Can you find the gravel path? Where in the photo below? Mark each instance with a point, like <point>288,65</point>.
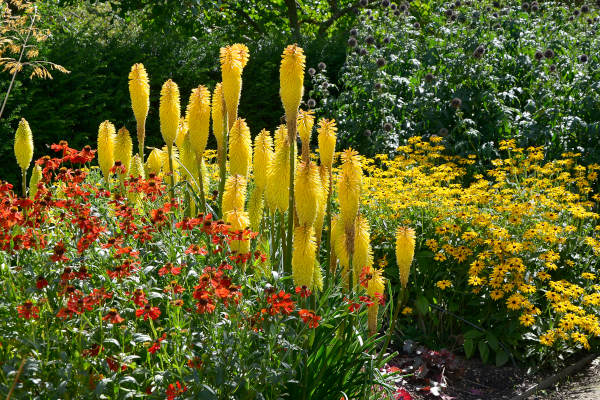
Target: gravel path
<point>584,385</point>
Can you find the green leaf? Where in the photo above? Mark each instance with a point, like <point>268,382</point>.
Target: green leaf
<point>492,341</point>
<point>484,351</point>
<point>469,346</point>
<point>473,334</point>
<point>501,358</point>
<point>422,305</point>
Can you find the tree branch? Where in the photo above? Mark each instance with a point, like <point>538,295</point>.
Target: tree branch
<point>293,17</point>
<point>325,25</point>
<point>246,17</point>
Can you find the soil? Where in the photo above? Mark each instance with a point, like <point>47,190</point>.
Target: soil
<point>474,380</point>
<point>584,385</point>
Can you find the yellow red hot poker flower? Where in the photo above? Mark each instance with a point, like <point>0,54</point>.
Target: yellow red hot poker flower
<point>405,251</point>
<point>240,148</point>
<point>139,91</point>
<point>106,147</point>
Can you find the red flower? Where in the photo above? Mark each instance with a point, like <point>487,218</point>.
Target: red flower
<point>156,345</point>
<point>41,282</point>
<point>205,303</point>
<point>169,268</point>
<point>113,317</point>
<point>148,311</point>
<point>280,303</point>
<point>92,351</point>
<point>365,276</point>
<point>402,394</point>
<point>195,249</point>
<point>303,291</point>
<point>175,390</point>
<point>195,363</point>
<point>114,366</point>
<point>28,311</point>
<point>139,298</point>
<point>366,300</point>
<point>352,305</point>
<point>59,252</point>
<point>309,318</point>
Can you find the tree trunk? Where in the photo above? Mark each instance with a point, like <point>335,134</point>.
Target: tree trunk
<point>293,17</point>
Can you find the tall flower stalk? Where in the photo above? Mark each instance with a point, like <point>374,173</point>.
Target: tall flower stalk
<point>23,147</point>
<point>291,90</point>
<point>198,120</point>
<point>139,91</point>
<point>169,113</point>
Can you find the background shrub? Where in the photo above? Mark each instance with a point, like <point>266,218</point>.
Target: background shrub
<point>472,73</point>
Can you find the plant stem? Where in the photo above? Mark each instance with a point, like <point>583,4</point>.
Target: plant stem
<point>223,157</point>
<point>201,185</point>
<point>172,191</point>
<point>392,327</point>
<point>291,126</point>
<point>24,182</point>
<point>283,238</point>
<point>16,69</point>
<point>12,388</point>
<point>141,134</point>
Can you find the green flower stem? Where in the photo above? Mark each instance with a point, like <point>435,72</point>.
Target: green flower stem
<point>392,327</point>
<point>172,191</point>
<point>201,186</point>
<point>223,158</point>
<point>141,135</point>
<point>291,126</point>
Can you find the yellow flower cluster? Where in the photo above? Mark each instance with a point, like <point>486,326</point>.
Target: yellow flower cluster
<point>524,233</point>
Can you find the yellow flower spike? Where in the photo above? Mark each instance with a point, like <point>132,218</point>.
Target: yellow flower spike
<point>338,241</point>
<point>106,147</point>
<point>242,52</point>
<point>263,156</point>
<point>322,209</point>
<point>303,256</point>
<point>363,254</point>
<point>281,136</point>
<point>291,79</point>
<point>317,277</point>
<point>187,156</point>
<point>123,149</point>
<point>169,112</point>
<point>375,289</point>
<point>139,92</point>
<point>166,169</point>
<point>239,221</point>
<point>36,177</point>
<point>278,180</point>
<point>217,115</point>
<point>137,168</point>
<point>182,132</point>
<point>137,171</point>
<point>349,187</point>
<point>198,118</point>
<point>307,192</point>
<point>305,122</point>
<point>234,196</point>
<point>154,162</point>
<point>240,148</point>
<point>327,132</point>
<point>23,145</point>
<point>255,209</point>
<point>233,60</point>
<point>405,251</point>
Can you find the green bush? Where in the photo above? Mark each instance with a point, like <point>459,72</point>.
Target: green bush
<point>432,52</point>
<point>99,46</point>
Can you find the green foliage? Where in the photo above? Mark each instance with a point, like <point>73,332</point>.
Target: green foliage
<point>99,46</point>
<point>435,52</point>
